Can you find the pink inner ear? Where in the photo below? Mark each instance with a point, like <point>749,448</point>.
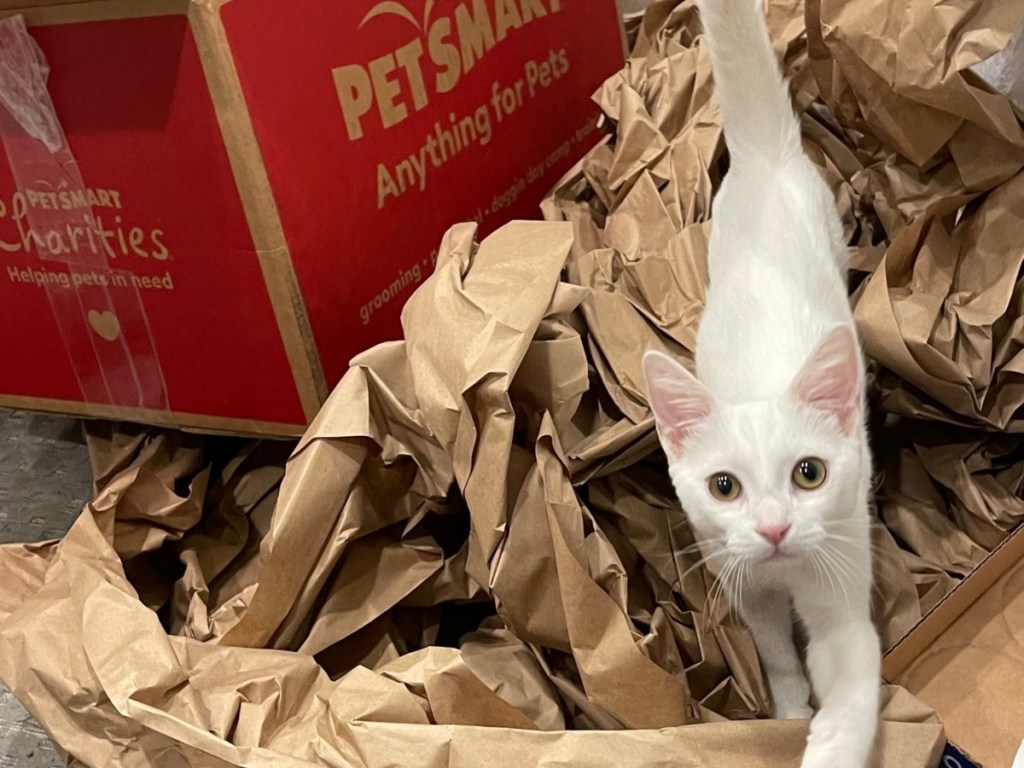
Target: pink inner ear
<point>830,378</point>
<point>678,400</point>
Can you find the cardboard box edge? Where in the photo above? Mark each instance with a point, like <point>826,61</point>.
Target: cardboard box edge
<point>258,201</point>
<point>190,422</point>
<point>623,37</point>
<point>949,608</point>
<point>75,11</point>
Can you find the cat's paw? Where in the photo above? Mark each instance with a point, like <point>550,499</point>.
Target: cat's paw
<point>830,745</point>
<point>791,694</point>
<point>792,711</point>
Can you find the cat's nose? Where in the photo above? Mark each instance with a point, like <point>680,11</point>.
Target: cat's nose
<point>774,532</point>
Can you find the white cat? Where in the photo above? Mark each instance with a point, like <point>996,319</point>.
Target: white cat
<point>767,446</point>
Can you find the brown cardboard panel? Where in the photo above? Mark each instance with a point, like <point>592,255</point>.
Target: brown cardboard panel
<point>197,422</point>
<point>947,610</point>
<point>14,5</point>
<point>43,12</point>
<point>973,673</point>
<point>260,208</point>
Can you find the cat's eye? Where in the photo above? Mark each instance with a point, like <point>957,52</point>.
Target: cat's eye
<point>723,486</point>
<point>809,473</point>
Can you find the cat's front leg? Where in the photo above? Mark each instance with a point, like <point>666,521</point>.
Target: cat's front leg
<point>844,662</point>
<point>768,614</point>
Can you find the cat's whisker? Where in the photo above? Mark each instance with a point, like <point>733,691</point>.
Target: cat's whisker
<point>698,547</point>
<point>844,575</point>
<point>688,550</point>
<point>721,582</point>
<point>737,578</point>
<point>847,545</point>
<point>839,522</point>
<point>716,590</point>
<point>857,542</point>
<point>709,603</point>
<point>850,541</point>
<point>692,568</point>
<point>708,542</point>
<point>825,575</point>
<point>817,573</point>
<point>748,572</point>
<point>733,596</point>
<point>709,599</point>
<point>703,561</point>
<point>888,561</point>
<point>879,554</point>
<point>846,531</point>
<point>828,573</point>
<point>730,597</point>
<point>828,554</point>
<point>842,557</point>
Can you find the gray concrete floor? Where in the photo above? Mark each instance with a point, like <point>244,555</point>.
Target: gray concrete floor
<point>44,483</point>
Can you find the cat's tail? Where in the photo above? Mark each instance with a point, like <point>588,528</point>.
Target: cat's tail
<point>754,98</point>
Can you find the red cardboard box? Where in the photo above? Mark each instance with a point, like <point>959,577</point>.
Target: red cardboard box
<point>250,189</point>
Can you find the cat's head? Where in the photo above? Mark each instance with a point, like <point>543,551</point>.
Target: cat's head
<point>765,481</point>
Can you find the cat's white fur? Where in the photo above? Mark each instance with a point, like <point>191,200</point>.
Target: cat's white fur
<point>779,378</point>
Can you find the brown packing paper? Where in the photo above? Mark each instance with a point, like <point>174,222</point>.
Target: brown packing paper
<point>940,310</point>
<point>1002,71</point>
<point>880,193</point>
<point>883,193</point>
<point>365,719</point>
<point>478,530</point>
<point>174,699</point>
<point>903,70</point>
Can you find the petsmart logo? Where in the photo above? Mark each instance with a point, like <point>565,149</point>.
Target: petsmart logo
<point>444,50</point>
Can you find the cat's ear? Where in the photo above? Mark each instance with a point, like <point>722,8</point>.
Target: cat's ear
<point>678,400</point>
<point>830,378</point>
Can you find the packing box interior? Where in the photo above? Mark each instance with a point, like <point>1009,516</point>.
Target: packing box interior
<point>966,660</point>
<point>474,555</point>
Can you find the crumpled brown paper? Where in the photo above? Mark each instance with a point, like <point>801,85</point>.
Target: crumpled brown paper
<point>925,161</point>
<point>474,555</point>
<point>315,634</point>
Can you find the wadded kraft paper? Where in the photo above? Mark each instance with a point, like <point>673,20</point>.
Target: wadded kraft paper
<point>310,614</point>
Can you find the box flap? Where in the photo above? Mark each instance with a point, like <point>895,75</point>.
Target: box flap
<point>973,673</point>
<point>945,612</point>
<point>8,6</point>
